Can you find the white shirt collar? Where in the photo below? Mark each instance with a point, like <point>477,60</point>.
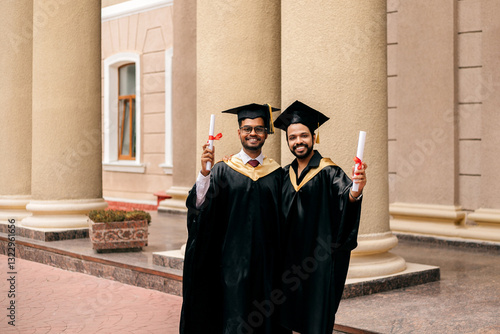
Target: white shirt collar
<point>245,158</point>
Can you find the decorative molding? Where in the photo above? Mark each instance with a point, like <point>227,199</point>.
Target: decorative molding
<point>445,221</point>
<point>131,8</point>
<point>14,207</point>
<point>167,169</point>
<point>62,214</point>
<point>488,225</point>
<point>66,206</point>
<point>15,202</point>
<point>176,204</point>
<point>372,257</point>
<point>428,212</point>
<point>375,243</point>
<point>375,265</point>
<point>485,216</point>
<point>120,166</point>
<point>168,112</point>
<point>426,219</point>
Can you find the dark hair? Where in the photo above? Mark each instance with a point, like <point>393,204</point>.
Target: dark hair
<point>241,120</point>
<point>286,131</point>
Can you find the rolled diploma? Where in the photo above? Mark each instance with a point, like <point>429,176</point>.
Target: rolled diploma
<point>359,154</point>
<point>211,135</point>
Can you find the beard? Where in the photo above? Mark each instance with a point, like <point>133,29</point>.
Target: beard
<point>303,154</point>
<point>254,146</point>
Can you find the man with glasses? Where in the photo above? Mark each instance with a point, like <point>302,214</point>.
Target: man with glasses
<point>232,252</point>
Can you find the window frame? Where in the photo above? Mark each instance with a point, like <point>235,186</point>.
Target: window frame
<point>167,166</point>
<point>111,161</point>
<point>131,101</point>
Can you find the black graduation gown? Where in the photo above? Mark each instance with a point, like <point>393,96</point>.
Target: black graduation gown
<point>321,227</point>
<point>230,265</point>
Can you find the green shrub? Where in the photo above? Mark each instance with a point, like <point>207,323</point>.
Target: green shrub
<point>138,215</point>
<point>106,216</point>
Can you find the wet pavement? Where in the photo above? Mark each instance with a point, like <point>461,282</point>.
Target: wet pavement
<point>465,300</point>
<point>52,300</point>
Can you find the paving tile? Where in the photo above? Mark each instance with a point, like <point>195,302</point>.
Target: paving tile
<point>465,300</point>
<point>67,302</point>
<point>50,300</point>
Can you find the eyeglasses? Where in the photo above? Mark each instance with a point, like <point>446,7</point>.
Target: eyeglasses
<point>260,130</point>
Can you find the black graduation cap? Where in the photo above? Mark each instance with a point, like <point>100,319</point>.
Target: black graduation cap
<point>255,110</point>
<point>299,112</point>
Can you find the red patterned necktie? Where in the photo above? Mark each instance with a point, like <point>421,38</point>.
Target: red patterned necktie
<point>253,163</point>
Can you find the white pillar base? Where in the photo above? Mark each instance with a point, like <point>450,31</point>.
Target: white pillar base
<point>371,258</point>
<point>178,201</point>
<point>13,207</point>
<point>62,214</point>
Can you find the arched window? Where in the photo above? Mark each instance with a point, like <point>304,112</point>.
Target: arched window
<point>122,113</point>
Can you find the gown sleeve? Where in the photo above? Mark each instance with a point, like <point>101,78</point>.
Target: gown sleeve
<point>202,302</point>
<point>349,213</point>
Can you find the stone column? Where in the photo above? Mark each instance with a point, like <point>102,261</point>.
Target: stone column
<point>488,215</point>
<point>66,170</point>
<point>238,62</point>
<point>185,161</point>
<point>16,19</point>
<point>334,59</point>
<point>426,132</point>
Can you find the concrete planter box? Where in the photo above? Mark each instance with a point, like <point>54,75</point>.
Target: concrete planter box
<point>119,235</point>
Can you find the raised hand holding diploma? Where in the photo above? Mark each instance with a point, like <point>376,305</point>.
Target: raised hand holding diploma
<point>207,156</point>
<point>358,172</point>
<point>211,138</point>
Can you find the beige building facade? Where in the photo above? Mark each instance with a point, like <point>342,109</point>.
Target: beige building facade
<point>138,35</point>
<point>441,95</point>
<point>444,84</point>
<point>422,78</point>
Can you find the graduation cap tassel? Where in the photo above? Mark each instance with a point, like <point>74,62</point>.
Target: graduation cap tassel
<point>271,125</point>
<point>317,136</point>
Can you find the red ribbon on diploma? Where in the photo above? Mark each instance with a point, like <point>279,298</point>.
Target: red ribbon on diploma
<point>358,162</point>
<point>217,137</point>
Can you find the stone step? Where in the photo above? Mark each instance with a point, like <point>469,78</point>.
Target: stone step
<point>170,259</point>
<point>165,272</point>
<point>150,277</point>
<point>414,274</point>
<point>47,234</point>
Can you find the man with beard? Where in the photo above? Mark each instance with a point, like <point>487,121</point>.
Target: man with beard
<point>234,236</point>
<point>321,225</point>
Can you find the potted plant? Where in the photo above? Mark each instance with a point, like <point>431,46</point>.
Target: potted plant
<point>117,229</point>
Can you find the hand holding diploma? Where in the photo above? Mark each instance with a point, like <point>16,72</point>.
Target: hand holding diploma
<point>207,157</point>
<point>358,171</point>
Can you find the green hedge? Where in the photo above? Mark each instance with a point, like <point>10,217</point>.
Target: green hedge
<point>106,216</point>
